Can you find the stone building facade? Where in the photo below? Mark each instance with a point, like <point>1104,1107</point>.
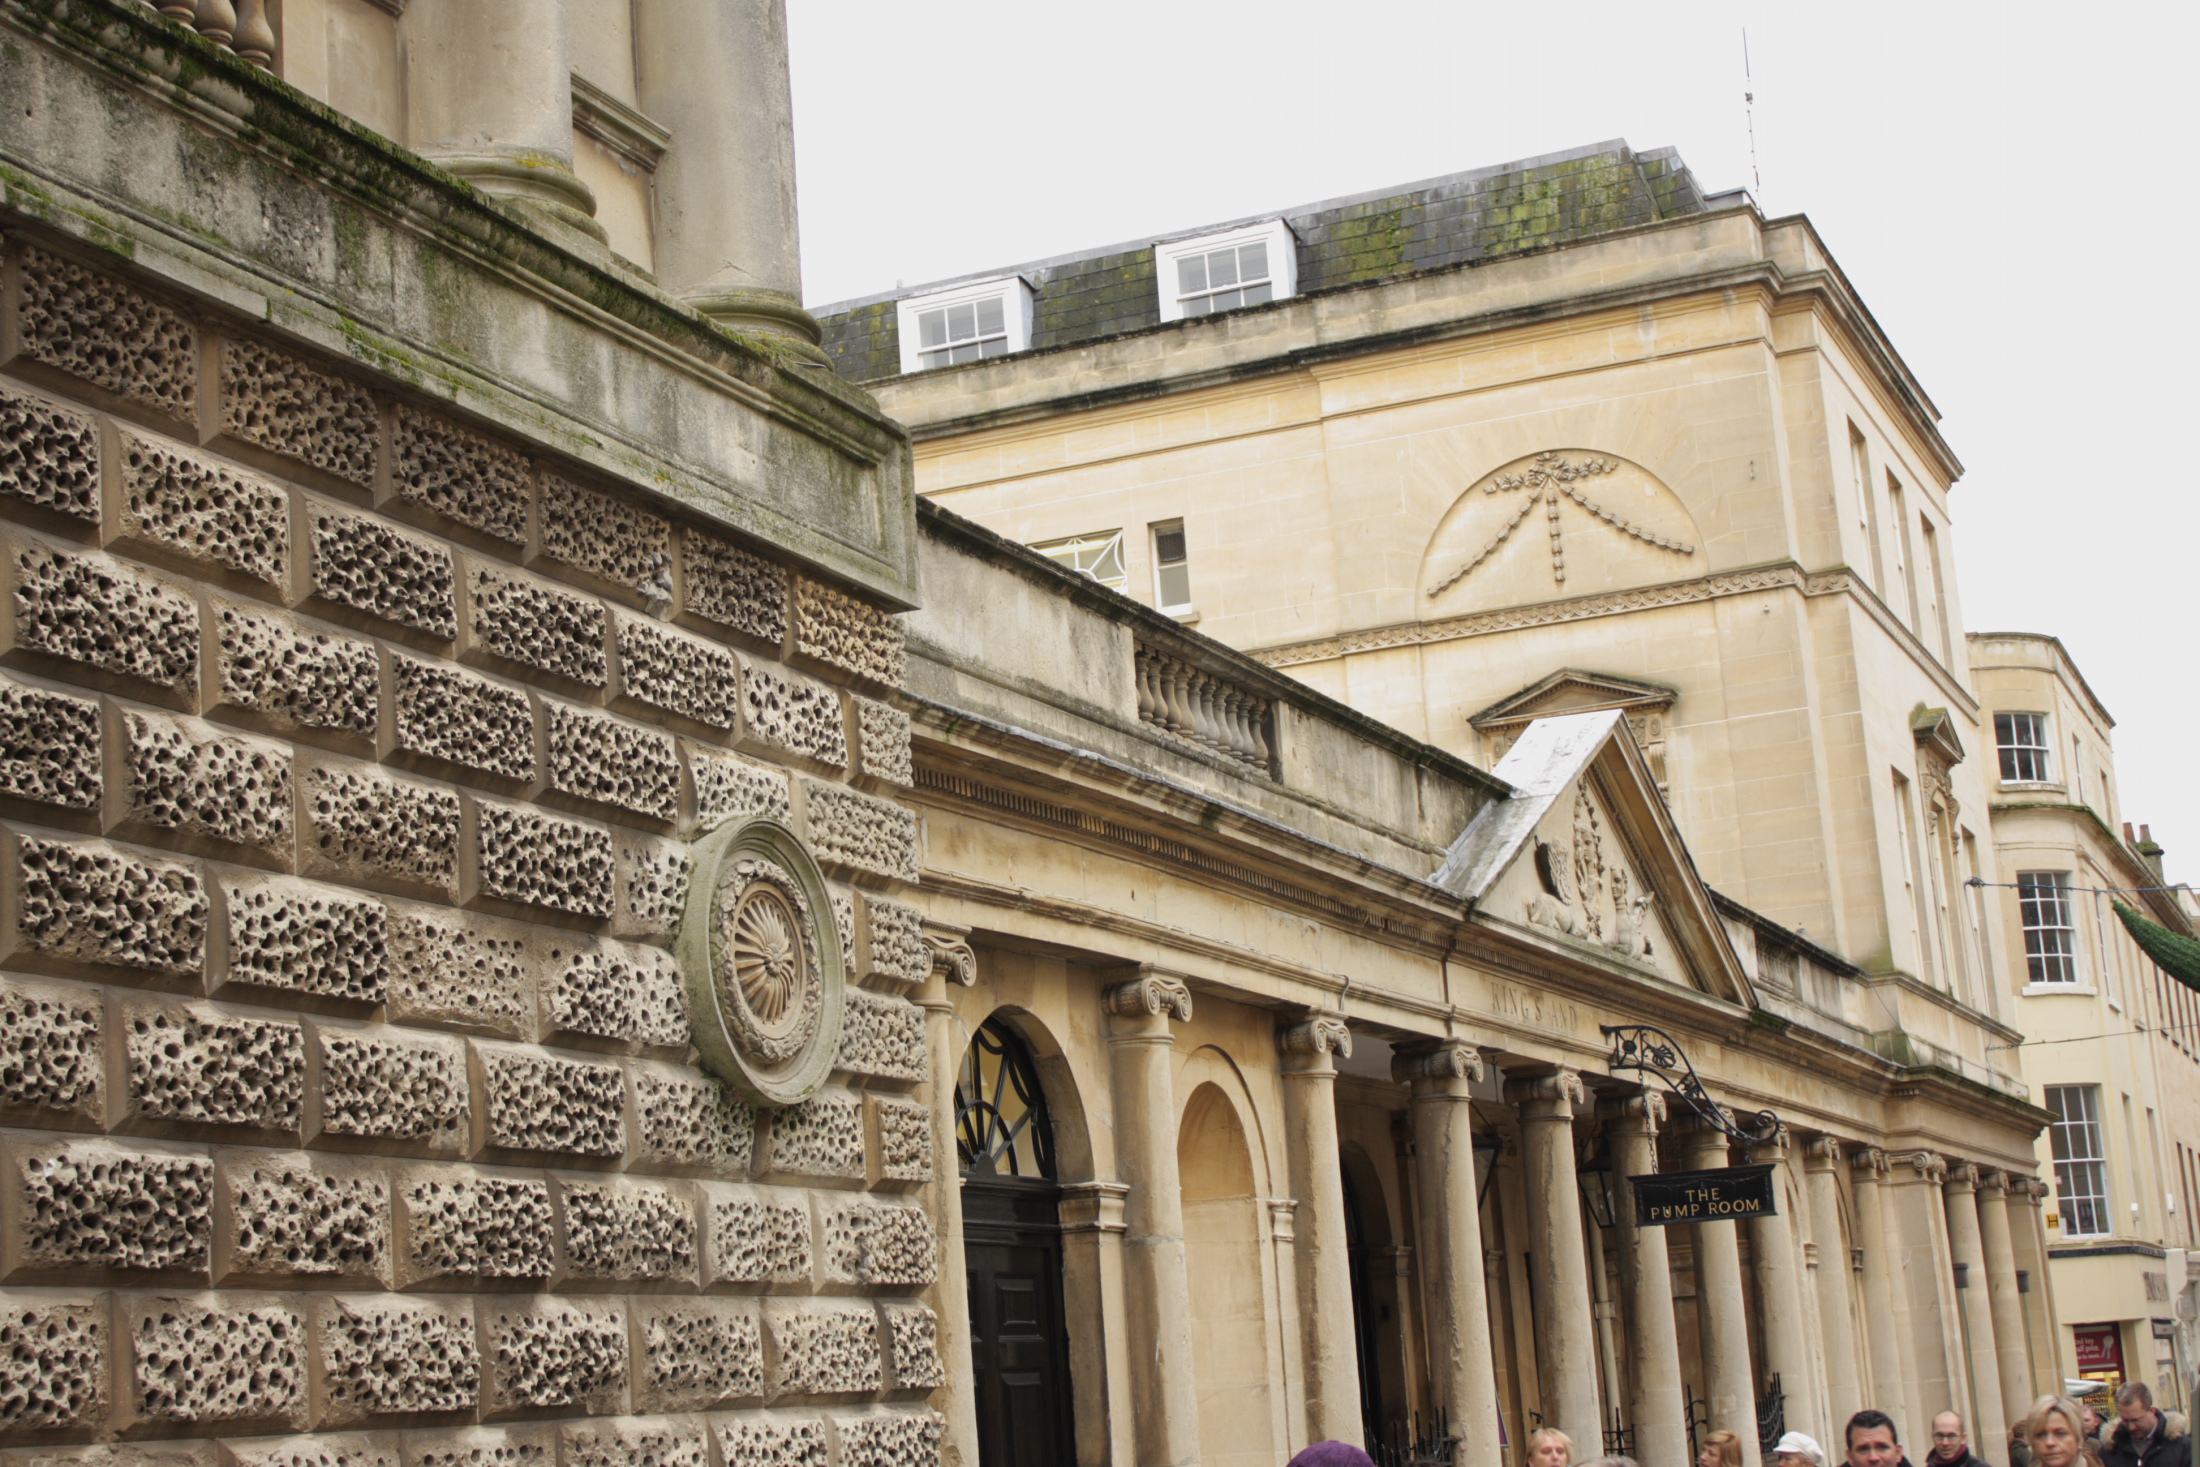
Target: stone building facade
<point>551,915</point>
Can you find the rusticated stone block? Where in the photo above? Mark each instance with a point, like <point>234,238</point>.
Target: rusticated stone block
<point>49,748</point>
<point>823,1348</point>
<point>88,903</point>
<point>518,620</point>
<point>835,628</point>
<point>164,1454</point>
<point>770,1441</point>
<point>617,543</point>
<point>49,457</point>
<point>181,503</point>
<point>890,1439</point>
<point>538,1103</point>
<point>93,1205</point>
<point>600,760</point>
<point>631,1442</point>
<point>628,1232</point>
<point>51,1060</point>
<point>913,1335</point>
<point>278,402</point>
<point>382,1356</point>
<point>696,1356</point>
<point>898,953</point>
<point>533,859</point>
<point>738,590</point>
<point>363,565</point>
<point>884,731</point>
<point>459,971</point>
<point>796,715</point>
<point>194,1065</point>
<point>876,1245</point>
<point>652,885</point>
<point>296,937</point>
<point>610,991</point>
<point>458,1226</point>
<point>127,628</point>
<point>821,1137</point>
<point>901,1131</point>
<point>755,1235</point>
<point>684,1120</point>
<point>323,1449</point>
<point>860,832</point>
<point>191,1364</point>
<point>482,1447</point>
<point>362,825</point>
<point>545,1353</point>
<point>289,679</point>
<point>844,927</point>
<point>440,714</point>
<point>883,1037</point>
<point>729,787</point>
<point>299,1217</point>
<point>183,779</point>
<point>387,1086</point>
<point>98,329</point>
<point>460,474</point>
<point>54,1356</point>
<point>673,672</point>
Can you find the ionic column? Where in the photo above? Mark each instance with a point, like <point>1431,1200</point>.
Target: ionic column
<point>1918,1224</point>
<point>1722,1320</point>
<point>953,963</point>
<point>1324,1265</point>
<point>1159,1316</point>
<point>1100,1366</point>
<point>1462,1371</point>
<point>1655,1405</point>
<point>715,73</point>
<point>1884,1331</point>
<point>1967,1255</point>
<point>490,94</point>
<point>2002,1297</point>
<point>1836,1316</point>
<point>2028,1234</point>
<point>1779,1267</point>
<point>1566,1338</point>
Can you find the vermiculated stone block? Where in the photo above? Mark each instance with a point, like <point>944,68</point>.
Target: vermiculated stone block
<point>913,1335</point>
<point>179,777</point>
<point>844,925</point>
<point>516,619</point>
<point>740,591</point>
<point>278,402</point>
<point>835,628</point>
<point>457,1225</point>
<point>698,1356</point>
<point>890,1439</point>
<point>902,1130</point>
<point>100,330</point>
<point>447,715</point>
<point>460,474</point>
<point>898,952</point>
<point>876,1245</point>
<point>884,731</point>
<point>546,1353</point>
<point>293,679</point>
<point>299,1217</point>
<point>612,991</point>
<point>53,1363</point>
<point>460,971</point>
<point>49,457</point>
<point>770,1441</point>
<point>628,1232</point>
<point>685,1120</point>
<point>883,1037</point>
<point>755,1235</point>
<point>192,1365</point>
<point>49,747</point>
<point>607,761</point>
<point>679,674</point>
<point>51,1062</point>
<point>525,856</point>
<point>729,787</point>
<point>297,937</point>
<point>104,615</point>
<point>384,1356</point>
<point>652,885</point>
<point>618,543</point>
<point>824,1349</point>
<point>378,570</point>
<point>634,1442</point>
<point>194,1065</point>
<point>186,504</point>
<point>538,1103</point>
<point>390,1086</point>
<point>92,1205</point>
<point>821,1137</point>
<point>793,714</point>
<point>362,825</point>
<point>861,832</point>
<point>86,902</point>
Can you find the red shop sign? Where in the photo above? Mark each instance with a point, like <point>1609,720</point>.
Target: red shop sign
<point>2100,1347</point>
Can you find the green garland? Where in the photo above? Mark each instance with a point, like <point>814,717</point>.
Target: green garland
<point>2177,956</point>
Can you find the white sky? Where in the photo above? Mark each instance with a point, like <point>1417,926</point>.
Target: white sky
<point>2010,189</point>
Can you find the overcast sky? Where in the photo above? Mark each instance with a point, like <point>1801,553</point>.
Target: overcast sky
<point>2010,189</point>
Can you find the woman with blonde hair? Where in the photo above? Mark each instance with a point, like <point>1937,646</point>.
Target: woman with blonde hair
<point>1550,1447</point>
<point>2055,1431</point>
<point>1720,1449</point>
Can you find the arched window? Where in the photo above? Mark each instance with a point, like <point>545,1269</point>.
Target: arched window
<point>1001,1127</point>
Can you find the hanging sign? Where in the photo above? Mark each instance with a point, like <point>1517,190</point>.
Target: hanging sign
<point>1665,1199</point>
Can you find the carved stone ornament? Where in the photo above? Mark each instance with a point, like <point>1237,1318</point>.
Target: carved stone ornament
<point>1322,1034</point>
<point>1452,1060</point>
<point>952,958</point>
<point>1150,994</point>
<point>767,994</point>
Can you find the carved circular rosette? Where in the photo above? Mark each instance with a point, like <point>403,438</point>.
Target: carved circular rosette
<point>768,994</point>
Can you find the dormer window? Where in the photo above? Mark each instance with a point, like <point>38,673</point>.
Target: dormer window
<point>968,323</point>
<point>1222,272</point>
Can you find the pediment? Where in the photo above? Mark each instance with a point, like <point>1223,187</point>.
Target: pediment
<point>1648,707</point>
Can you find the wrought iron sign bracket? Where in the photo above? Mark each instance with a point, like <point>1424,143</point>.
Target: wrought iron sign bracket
<point>1653,1052</point>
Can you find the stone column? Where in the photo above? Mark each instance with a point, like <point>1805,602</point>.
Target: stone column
<point>2002,1298</point>
<point>1721,1318</point>
<point>490,93</point>
<point>2028,1234</point>
<point>1655,1405</point>
<point>714,72</point>
<point>1836,1300</point>
<point>1918,1222</point>
<point>1462,1371</point>
<point>1883,1324</point>
<point>1159,1313</point>
<point>1100,1367</point>
<point>1323,1263</point>
<point>953,963</point>
<point>1778,1264</point>
<point>1566,1339</point>
<point>1967,1254</point>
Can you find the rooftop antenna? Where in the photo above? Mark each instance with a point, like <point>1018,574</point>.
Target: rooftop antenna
<point>1749,118</point>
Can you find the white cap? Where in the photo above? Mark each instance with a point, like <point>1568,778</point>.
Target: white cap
<point>1802,1446</point>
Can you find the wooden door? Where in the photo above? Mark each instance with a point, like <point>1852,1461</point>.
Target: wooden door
<point>1019,1344</point>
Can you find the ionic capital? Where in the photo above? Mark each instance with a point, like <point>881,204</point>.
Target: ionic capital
<point>1548,1097</point>
<point>1962,1176</point>
<point>1453,1059</point>
<point>1993,1182</point>
<point>1322,1035</point>
<point>1773,1148</point>
<point>952,960</point>
<point>1150,995</point>
<point>1643,1113</point>
<point>1917,1166</point>
<point>1823,1154</point>
<point>1868,1164</point>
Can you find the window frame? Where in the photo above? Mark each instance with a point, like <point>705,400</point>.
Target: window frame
<point>2045,731</point>
<point>1283,264</point>
<point>1102,538</point>
<point>2069,1200</point>
<point>1154,532</point>
<point>1015,311</point>
<point>2038,959</point>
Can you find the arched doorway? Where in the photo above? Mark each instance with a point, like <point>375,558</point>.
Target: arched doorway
<point>1222,1247</point>
<point>1012,1249</point>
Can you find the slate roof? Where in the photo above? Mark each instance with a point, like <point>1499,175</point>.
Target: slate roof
<point>1435,224</point>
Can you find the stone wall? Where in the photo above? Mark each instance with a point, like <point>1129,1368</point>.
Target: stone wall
<point>348,755</point>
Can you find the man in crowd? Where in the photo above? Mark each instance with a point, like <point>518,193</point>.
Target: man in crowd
<point>2143,1438</point>
<point>1873,1441</point>
<point>1952,1443</point>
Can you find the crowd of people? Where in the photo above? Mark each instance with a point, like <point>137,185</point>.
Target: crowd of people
<point>2059,1432</point>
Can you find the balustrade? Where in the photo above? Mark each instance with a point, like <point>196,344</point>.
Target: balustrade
<point>241,26</point>
<point>1178,698</point>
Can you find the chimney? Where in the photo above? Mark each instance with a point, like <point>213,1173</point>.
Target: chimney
<point>2148,851</point>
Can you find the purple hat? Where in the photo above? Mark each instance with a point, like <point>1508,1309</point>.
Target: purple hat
<point>1332,1454</point>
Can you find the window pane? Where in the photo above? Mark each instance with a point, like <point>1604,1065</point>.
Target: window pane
<point>995,347</point>
<point>932,328</point>
<point>966,353</point>
<point>1253,261</point>
<point>1199,305</point>
<point>1222,268</point>
<point>1168,545</point>
<point>1176,584</point>
<point>1191,274</point>
<point>1228,300</point>
<point>935,359</point>
<point>1259,294</point>
<point>989,317</point>
<point>1107,567</point>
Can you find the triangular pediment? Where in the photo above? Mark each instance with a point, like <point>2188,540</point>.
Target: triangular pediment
<point>1570,690</point>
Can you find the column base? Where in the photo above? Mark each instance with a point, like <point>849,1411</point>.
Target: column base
<point>773,312</point>
<point>535,180</point>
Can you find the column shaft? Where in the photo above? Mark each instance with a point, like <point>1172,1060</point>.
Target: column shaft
<point>2026,1237</point>
<point>1323,1261</point>
<point>1655,1408</point>
<point>1779,1267</point>
<point>952,962</point>
<point>1967,1252</point>
<point>1918,1221</point>
<point>490,94</point>
<point>1721,1316</point>
<point>2002,1298</point>
<point>1885,1331</point>
<point>1836,1300</point>
<point>1565,1323</point>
